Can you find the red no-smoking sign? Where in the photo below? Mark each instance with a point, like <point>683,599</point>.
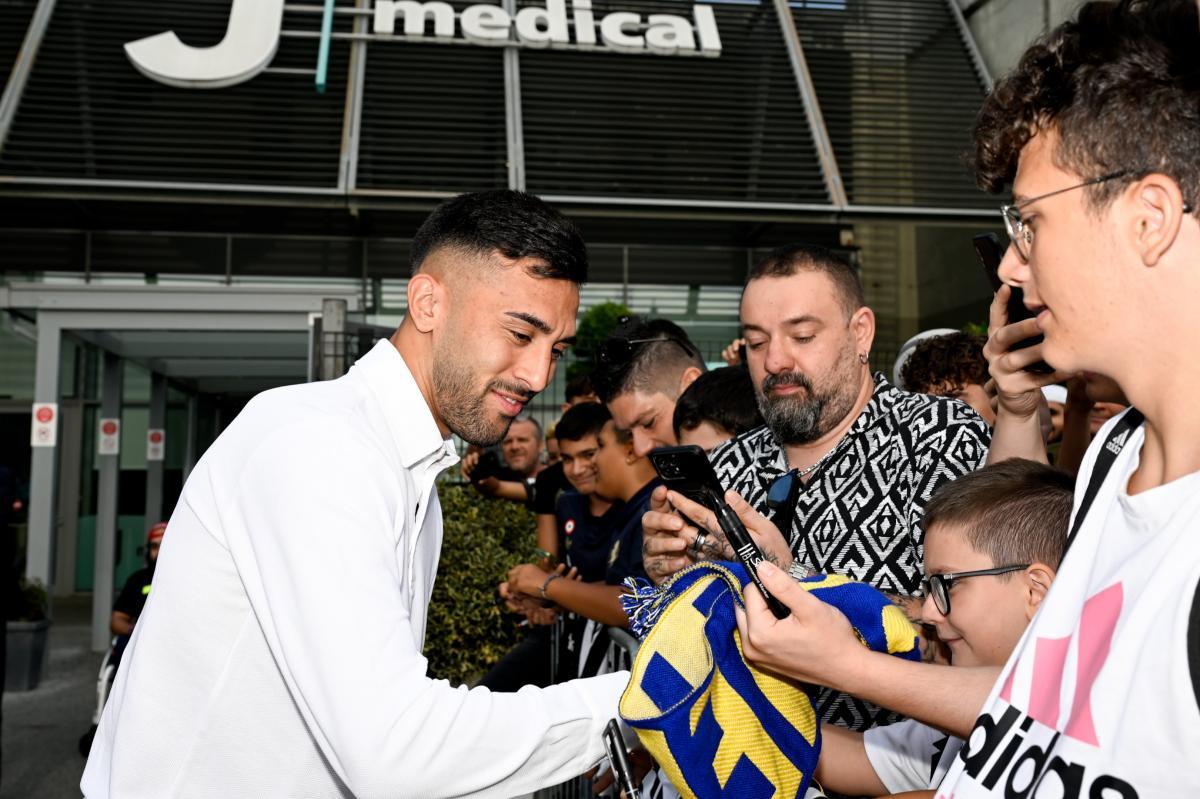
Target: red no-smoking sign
<point>156,439</point>
<point>110,437</point>
<point>44,432</point>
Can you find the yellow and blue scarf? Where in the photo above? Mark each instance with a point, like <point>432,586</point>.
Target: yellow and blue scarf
<point>718,726</point>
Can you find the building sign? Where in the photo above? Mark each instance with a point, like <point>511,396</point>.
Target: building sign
<point>109,442</point>
<point>156,444</point>
<point>45,425</point>
<point>252,36</point>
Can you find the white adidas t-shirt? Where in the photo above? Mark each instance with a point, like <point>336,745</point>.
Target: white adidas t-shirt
<point>910,756</point>
<point>1098,699</point>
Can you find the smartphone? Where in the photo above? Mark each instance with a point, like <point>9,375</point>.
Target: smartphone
<point>619,759</point>
<point>991,252</point>
<point>687,471</point>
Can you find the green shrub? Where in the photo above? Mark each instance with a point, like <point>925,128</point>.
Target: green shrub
<point>467,631</point>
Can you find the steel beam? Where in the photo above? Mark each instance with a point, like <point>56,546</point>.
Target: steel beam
<point>514,127</point>
<point>812,106</point>
<point>968,40</point>
<point>106,511</point>
<point>23,67</point>
<point>352,115</point>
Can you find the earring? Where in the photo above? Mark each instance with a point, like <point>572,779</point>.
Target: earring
<point>862,357</point>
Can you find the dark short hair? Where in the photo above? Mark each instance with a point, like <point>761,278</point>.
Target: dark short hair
<point>579,386</point>
<point>654,365</point>
<point>724,397</point>
<point>954,360</point>
<point>789,259</point>
<point>513,223</point>
<point>1015,511</point>
<point>582,420</point>
<point>1119,85</point>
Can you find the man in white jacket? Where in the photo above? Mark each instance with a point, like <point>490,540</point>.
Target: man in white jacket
<point>280,652</point>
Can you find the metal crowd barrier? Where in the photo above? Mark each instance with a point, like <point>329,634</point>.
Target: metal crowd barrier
<point>622,648</point>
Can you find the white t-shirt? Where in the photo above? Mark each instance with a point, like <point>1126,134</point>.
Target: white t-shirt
<point>910,756</point>
<point>1098,700</point>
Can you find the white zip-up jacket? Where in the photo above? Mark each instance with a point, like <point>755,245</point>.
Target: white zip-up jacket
<point>279,654</point>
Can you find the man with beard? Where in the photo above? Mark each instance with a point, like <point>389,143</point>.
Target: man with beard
<point>280,651</point>
<point>846,461</point>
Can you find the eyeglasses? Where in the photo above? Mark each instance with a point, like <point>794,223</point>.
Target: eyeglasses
<point>938,585</point>
<point>618,350</point>
<point>1022,236</point>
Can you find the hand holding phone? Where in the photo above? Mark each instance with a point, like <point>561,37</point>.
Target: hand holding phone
<point>619,759</point>
<point>686,470</point>
<point>991,252</point>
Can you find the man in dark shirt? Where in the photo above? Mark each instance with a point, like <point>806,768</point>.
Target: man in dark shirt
<point>133,596</point>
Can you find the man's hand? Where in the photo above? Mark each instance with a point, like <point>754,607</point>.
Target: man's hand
<point>639,760</point>
<point>814,644</point>
<point>665,539</point>
<point>488,486</point>
<point>528,579</point>
<point>732,354</point>
<point>1018,391</point>
<point>716,546</point>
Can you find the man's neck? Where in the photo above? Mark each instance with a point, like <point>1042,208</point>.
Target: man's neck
<point>598,505</point>
<point>802,456</point>
<point>638,476</point>
<point>414,349</point>
<point>1172,446</point>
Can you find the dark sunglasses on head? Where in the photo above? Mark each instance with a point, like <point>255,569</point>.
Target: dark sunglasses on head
<point>938,585</point>
<point>618,349</point>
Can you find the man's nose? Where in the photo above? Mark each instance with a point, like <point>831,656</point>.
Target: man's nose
<point>643,442</point>
<point>1013,269</point>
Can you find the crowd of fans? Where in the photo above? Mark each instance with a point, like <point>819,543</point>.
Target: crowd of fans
<point>949,486</point>
<point>1035,526</point>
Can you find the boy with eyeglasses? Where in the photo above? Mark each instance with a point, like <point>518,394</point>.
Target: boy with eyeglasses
<point>993,542</point>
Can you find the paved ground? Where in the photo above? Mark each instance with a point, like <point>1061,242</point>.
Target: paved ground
<point>40,758</point>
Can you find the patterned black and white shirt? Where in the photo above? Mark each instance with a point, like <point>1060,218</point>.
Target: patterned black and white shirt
<point>860,512</point>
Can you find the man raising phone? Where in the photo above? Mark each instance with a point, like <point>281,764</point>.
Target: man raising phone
<point>280,652</point>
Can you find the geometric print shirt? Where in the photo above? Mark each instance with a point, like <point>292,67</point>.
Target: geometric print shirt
<point>860,513</point>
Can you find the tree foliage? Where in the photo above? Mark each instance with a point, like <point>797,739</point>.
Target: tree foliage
<point>467,632</point>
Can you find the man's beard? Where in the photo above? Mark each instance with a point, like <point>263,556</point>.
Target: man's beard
<point>803,417</point>
<point>463,406</point>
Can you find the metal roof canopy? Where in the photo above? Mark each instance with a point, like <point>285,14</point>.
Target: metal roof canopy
<point>207,338</point>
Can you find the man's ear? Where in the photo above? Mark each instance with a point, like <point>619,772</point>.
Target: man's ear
<point>1038,577</point>
<point>1156,206</point>
<point>862,325</point>
<point>426,301</point>
<point>688,377</point>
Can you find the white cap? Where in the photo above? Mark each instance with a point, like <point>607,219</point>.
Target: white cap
<point>910,345</point>
<point>1055,393</point>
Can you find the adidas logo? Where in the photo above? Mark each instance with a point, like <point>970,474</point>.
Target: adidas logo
<point>1118,443</point>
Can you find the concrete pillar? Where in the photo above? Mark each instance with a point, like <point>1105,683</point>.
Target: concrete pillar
<point>43,475</point>
<point>154,469</point>
<point>70,470</point>
<point>189,445</point>
<point>106,510</point>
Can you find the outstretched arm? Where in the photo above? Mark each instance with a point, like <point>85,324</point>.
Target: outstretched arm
<point>817,644</point>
